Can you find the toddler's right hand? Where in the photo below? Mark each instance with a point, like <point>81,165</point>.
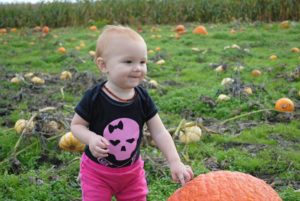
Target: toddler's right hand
<point>98,146</point>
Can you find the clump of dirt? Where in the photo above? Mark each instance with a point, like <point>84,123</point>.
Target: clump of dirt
<point>212,164</point>
<point>208,101</point>
<point>15,166</point>
<point>158,56</point>
<point>6,108</point>
<point>46,158</point>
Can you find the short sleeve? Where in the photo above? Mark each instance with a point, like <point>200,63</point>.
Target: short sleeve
<point>149,107</point>
<point>152,109</point>
<point>83,109</point>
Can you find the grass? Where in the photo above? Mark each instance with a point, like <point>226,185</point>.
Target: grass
<point>265,145</point>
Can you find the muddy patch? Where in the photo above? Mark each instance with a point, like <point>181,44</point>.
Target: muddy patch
<point>212,164</point>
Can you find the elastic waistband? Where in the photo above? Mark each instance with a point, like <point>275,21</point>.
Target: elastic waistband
<point>139,162</point>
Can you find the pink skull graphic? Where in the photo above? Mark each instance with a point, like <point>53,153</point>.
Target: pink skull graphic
<point>122,135</point>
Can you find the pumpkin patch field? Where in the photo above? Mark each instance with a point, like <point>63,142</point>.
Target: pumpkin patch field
<point>229,94</point>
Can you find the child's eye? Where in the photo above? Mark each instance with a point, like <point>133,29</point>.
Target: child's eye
<point>143,62</point>
<point>128,61</point>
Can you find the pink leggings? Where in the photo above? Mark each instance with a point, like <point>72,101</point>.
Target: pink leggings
<point>100,183</point>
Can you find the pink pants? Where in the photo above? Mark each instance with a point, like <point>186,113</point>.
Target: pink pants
<point>100,183</point>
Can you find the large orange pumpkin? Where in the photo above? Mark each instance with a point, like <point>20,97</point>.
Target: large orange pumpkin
<point>284,105</point>
<point>225,186</point>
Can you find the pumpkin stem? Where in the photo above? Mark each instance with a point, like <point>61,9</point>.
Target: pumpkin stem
<point>176,133</point>
<point>185,153</point>
<point>246,114</point>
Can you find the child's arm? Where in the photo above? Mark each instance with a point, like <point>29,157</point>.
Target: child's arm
<point>180,172</point>
<point>97,144</point>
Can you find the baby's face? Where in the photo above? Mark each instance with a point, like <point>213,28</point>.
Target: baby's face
<point>125,62</point>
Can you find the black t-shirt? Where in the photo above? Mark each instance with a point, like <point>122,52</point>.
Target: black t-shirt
<point>120,123</point>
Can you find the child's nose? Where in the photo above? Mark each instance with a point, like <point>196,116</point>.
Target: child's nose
<point>137,67</point>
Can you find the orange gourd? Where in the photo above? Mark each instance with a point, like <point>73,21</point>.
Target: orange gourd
<point>256,73</point>
<point>284,105</point>
<point>3,31</point>
<point>62,50</point>
<point>13,30</point>
<point>93,28</point>
<point>180,29</point>
<point>223,186</point>
<point>45,30</point>
<point>200,30</point>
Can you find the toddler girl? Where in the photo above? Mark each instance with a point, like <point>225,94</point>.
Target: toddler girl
<point>110,117</point>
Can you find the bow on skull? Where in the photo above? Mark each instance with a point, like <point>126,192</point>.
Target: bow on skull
<point>111,128</point>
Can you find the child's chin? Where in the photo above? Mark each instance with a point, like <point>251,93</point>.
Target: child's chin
<point>134,83</point>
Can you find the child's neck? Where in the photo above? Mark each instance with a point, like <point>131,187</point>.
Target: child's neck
<point>117,93</point>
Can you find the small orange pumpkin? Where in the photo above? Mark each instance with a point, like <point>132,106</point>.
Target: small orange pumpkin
<point>200,30</point>
<point>93,28</point>
<point>3,31</point>
<point>284,105</point>
<point>256,73</point>
<point>225,185</point>
<point>45,30</point>
<point>13,30</point>
<point>273,57</point>
<point>295,50</point>
<point>284,24</point>
<point>180,29</point>
<point>62,50</point>
<point>66,75</point>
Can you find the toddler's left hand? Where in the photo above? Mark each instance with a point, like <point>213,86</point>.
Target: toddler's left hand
<point>181,173</point>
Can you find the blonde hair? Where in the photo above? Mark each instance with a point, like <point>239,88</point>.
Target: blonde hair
<point>111,31</point>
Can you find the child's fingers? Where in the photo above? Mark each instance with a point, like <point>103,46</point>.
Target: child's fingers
<point>181,179</point>
<point>104,141</point>
<point>190,171</point>
<point>187,176</point>
<point>99,152</point>
<point>102,155</point>
<point>102,150</point>
<point>174,178</point>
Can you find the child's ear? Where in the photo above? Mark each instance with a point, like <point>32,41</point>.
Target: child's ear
<point>101,64</point>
